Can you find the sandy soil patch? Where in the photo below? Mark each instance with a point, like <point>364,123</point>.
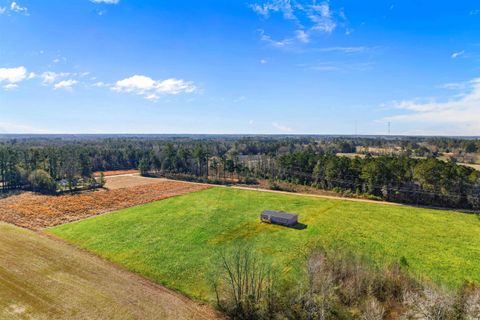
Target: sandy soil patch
<point>114,173</point>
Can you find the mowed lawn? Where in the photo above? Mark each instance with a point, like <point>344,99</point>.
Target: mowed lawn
<point>176,241</point>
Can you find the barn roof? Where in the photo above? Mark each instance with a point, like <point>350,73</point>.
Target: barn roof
<point>279,214</point>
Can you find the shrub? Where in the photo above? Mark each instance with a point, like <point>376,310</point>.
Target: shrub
<point>336,286</point>
<point>250,181</point>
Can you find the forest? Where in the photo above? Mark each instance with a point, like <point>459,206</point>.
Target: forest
<point>410,171</point>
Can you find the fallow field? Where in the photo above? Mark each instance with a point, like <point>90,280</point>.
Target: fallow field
<point>35,211</point>
<point>41,278</point>
<point>176,241</point>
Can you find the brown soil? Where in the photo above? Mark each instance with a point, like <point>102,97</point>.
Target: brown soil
<point>35,212</point>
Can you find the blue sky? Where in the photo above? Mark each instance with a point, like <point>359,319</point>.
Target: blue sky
<point>259,66</point>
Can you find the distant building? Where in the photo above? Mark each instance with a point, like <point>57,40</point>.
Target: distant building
<point>278,217</point>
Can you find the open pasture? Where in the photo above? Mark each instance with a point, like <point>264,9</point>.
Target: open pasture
<point>175,241</point>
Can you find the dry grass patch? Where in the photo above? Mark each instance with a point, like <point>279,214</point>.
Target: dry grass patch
<point>35,212</point>
<point>120,182</point>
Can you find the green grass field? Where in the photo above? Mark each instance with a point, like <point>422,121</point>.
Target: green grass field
<point>174,241</point>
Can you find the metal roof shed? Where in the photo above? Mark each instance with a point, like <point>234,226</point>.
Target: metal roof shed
<point>279,217</point>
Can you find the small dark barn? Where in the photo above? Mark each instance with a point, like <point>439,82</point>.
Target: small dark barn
<point>278,217</point>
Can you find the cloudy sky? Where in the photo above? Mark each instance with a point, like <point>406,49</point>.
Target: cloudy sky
<point>259,66</point>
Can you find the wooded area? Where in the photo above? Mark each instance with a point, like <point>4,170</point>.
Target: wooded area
<point>50,165</point>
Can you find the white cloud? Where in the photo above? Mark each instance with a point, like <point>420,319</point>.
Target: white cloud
<point>175,86</point>
<point>322,17</point>
<point>284,6</point>
<point>458,54</point>
<point>264,9</point>
<point>10,86</point>
<point>50,76</point>
<point>152,97</point>
<point>60,59</point>
<point>281,127</point>
<point>136,83</point>
<point>240,99</point>
<point>275,43</point>
<point>343,49</point>
<point>455,85</point>
<point>474,12</point>
<point>3,10</point>
<point>15,7</point>
<point>13,75</point>
<point>13,127</point>
<point>302,36</point>
<point>263,61</point>
<point>65,84</point>
<point>152,89</point>
<point>106,1</point>
<point>340,66</point>
<point>460,112</point>
<point>308,19</point>
<point>99,84</point>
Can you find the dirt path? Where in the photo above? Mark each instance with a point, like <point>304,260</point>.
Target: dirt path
<point>315,195</point>
<point>117,181</point>
<point>319,196</point>
<point>42,278</point>
<point>275,191</point>
<point>129,180</point>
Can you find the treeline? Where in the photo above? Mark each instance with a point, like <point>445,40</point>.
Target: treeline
<point>44,164</point>
<point>47,170</point>
<point>394,178</point>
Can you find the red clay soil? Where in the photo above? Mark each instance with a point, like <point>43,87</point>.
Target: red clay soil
<point>36,212</point>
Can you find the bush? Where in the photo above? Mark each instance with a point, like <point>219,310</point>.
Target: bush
<point>250,181</point>
<point>335,286</point>
<point>272,185</point>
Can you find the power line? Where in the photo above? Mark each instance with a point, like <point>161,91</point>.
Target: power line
<point>389,187</point>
